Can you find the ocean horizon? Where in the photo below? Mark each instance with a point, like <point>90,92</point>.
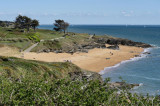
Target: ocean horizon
<point>144,70</point>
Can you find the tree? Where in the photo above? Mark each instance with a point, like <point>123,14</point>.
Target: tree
<point>27,22</point>
<point>23,22</point>
<point>19,23</point>
<point>34,24</point>
<point>61,25</point>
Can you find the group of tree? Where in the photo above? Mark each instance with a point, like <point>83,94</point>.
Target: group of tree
<point>6,23</point>
<point>61,25</point>
<point>24,22</point>
<point>2,24</point>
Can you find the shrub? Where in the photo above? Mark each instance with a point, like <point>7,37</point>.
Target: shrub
<point>33,37</point>
<point>52,44</point>
<point>32,91</point>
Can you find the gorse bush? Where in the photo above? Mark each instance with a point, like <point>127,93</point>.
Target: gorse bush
<point>33,37</point>
<point>29,91</point>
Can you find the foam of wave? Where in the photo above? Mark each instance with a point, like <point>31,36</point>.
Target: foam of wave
<point>126,61</point>
<point>148,78</point>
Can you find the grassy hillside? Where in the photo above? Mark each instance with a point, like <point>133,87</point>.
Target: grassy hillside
<point>66,43</point>
<point>16,33</point>
<point>22,40</point>
<point>19,39</point>
<point>25,82</point>
<point>52,41</point>
<point>18,68</point>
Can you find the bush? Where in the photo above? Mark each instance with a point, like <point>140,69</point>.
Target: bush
<point>33,37</point>
<point>30,91</point>
<point>52,44</point>
<point>24,82</point>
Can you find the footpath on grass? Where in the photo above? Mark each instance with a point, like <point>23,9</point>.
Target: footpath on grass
<point>34,45</point>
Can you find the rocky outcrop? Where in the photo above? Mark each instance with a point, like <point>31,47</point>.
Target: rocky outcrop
<point>114,47</point>
<point>121,85</point>
<point>95,42</point>
<point>119,41</point>
<point>80,75</point>
<point>88,76</point>
<point>146,53</point>
<point>75,48</point>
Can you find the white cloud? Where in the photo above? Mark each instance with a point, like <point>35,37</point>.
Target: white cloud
<point>127,13</point>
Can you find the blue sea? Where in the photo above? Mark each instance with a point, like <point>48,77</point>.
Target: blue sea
<point>145,70</point>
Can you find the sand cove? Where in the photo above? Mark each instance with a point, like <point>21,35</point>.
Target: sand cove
<point>95,60</point>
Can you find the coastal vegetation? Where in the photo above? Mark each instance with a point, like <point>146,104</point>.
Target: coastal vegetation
<point>6,24</point>
<point>25,82</point>
<point>28,82</point>
<point>21,40</point>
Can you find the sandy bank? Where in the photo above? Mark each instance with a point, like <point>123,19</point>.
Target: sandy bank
<point>95,60</point>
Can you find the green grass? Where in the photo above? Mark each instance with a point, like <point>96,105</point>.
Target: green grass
<point>65,43</point>
<point>20,45</point>
<point>18,68</point>
<point>48,34</point>
<point>68,43</point>
<point>16,33</point>
<point>9,35</point>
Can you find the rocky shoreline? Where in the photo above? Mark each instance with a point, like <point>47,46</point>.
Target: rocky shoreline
<point>101,43</point>
<point>96,42</point>
<point>86,75</point>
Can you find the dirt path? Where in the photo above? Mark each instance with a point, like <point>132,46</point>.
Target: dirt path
<point>31,47</point>
<point>42,40</point>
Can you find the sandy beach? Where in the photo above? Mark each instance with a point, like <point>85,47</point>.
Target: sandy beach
<point>9,51</point>
<point>95,60</point>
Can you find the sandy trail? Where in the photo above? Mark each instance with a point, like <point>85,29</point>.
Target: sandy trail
<point>31,47</point>
<point>95,60</point>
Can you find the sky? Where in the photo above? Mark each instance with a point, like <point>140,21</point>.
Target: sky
<point>134,12</point>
